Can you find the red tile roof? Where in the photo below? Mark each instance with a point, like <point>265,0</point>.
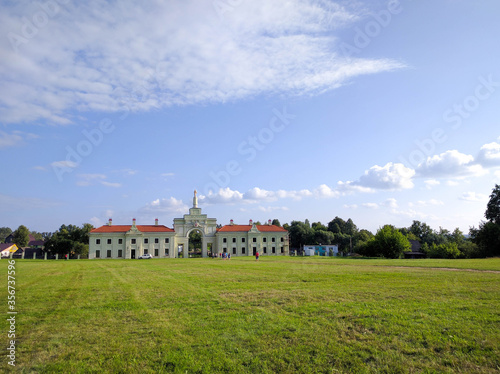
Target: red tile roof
<point>246,228</point>
<point>125,228</point>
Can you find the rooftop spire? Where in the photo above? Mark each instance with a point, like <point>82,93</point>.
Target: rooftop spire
<point>195,200</point>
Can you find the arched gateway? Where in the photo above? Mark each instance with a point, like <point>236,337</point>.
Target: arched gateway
<point>132,241</point>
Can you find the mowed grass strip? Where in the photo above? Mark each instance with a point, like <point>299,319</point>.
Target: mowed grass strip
<point>280,314</point>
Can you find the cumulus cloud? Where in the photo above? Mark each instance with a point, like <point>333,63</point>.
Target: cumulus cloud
<point>166,206</point>
<point>370,205</point>
<point>474,197</point>
<point>450,164</point>
<point>130,56</point>
<point>223,196</point>
<point>489,154</point>
<point>389,177</point>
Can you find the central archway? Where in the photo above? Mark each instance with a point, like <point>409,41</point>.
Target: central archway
<point>195,242</point>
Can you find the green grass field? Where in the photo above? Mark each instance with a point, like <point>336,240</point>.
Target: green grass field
<point>277,315</point>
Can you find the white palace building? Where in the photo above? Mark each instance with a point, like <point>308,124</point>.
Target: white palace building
<point>131,241</point>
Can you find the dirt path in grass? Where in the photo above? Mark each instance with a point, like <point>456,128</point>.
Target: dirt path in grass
<point>447,269</point>
<point>409,267</point>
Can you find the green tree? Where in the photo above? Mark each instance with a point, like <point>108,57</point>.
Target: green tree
<point>69,239</point>
<point>21,236</point>
<point>316,226</point>
<point>300,234</point>
<point>4,232</point>
<point>390,243</point>
<point>276,222</point>
<point>323,237</point>
<point>492,213</point>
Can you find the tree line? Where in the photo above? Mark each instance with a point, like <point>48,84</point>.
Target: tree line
<point>69,239</point>
<point>392,242</point>
<point>388,241</point>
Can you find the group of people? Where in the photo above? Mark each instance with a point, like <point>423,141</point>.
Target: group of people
<point>223,255</point>
<point>227,256</point>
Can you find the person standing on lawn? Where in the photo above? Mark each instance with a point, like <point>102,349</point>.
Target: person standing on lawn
<point>256,255</point>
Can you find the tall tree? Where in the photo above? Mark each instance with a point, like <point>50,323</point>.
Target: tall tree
<point>492,213</point>
<point>4,232</point>
<point>390,243</point>
<point>276,222</point>
<point>21,236</point>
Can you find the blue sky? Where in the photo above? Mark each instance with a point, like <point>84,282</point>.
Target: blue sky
<point>379,111</point>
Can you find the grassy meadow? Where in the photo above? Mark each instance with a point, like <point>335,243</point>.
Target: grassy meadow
<point>277,315</point>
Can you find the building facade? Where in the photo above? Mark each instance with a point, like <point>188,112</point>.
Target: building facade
<point>131,241</point>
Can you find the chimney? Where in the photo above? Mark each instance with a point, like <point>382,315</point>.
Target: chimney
<point>110,222</point>
<point>250,222</point>
<point>133,222</point>
<point>231,222</point>
<point>269,222</point>
<point>156,221</point>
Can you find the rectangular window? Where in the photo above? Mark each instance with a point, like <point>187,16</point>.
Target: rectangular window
<point>166,251</point>
<point>234,250</point>
<point>146,240</point>
<point>273,240</point>
<point>157,240</point>
<point>120,253</point>
<point>224,240</point>
<point>109,241</point>
<point>243,240</point>
<point>282,250</point>
<point>108,254</point>
<point>282,239</point>
<point>264,249</point>
<point>243,250</point>
<point>254,240</point>
<point>132,241</point>
<point>166,240</point>
<point>98,253</point>
<point>234,240</point>
<point>274,249</point>
<point>264,239</point>
<point>98,241</point>
<point>156,252</point>
<point>145,251</point>
<point>120,241</point>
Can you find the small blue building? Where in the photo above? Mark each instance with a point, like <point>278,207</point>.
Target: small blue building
<point>321,250</point>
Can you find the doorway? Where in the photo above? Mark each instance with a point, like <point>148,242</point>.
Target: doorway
<point>132,254</point>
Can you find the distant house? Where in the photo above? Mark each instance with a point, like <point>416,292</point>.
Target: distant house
<point>7,248</point>
<point>416,251</point>
<point>34,246</point>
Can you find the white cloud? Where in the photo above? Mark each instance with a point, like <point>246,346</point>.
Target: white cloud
<point>14,139</point>
<point>370,205</point>
<point>450,164</point>
<point>323,191</point>
<point>85,180</point>
<point>350,206</point>
<point>88,58</point>
<point>452,183</point>
<point>430,183</point>
<point>489,154</point>
<point>166,206</point>
<point>270,209</point>
<point>63,164</point>
<point>389,177</point>
<point>474,197</point>
<point>258,194</point>
<point>223,196</point>
<point>425,203</point>
<point>391,203</point>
